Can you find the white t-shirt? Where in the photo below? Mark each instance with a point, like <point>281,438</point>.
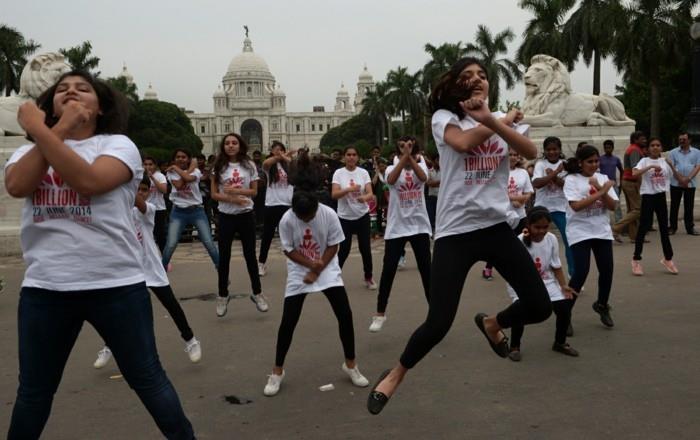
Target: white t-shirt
<point>519,184</point>
<point>550,196</point>
<point>433,175</point>
<point>278,193</point>
<point>473,185</point>
<point>406,214</point>
<point>593,221</point>
<point>654,182</point>
<point>152,260</point>
<point>154,196</point>
<point>349,208</point>
<point>311,240</point>
<point>189,194</point>
<point>238,176</point>
<point>545,254</point>
<point>72,242</point>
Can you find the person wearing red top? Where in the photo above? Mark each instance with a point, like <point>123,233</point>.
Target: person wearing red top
<point>630,186</point>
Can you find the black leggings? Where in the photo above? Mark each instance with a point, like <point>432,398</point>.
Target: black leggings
<point>361,227</point>
<point>653,204</point>
<point>290,316</point>
<point>166,297</point>
<point>562,310</point>
<point>160,229</point>
<point>273,215</point>
<point>393,250</point>
<point>603,253</point>
<point>244,225</point>
<point>517,230</point>
<point>453,256</point>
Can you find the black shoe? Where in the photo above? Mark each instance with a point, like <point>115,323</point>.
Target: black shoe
<point>377,400</point>
<point>514,354</point>
<point>565,349</point>
<point>693,232</point>
<point>604,312</point>
<point>671,231</point>
<point>570,331</point>
<point>501,348</point>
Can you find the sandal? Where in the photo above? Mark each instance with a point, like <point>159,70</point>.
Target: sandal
<point>376,399</point>
<point>500,348</point>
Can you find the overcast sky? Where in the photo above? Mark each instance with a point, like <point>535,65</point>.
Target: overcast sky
<point>184,47</point>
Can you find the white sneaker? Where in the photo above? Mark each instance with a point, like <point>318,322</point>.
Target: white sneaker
<point>222,305</point>
<point>262,269</point>
<point>103,356</point>
<point>355,376</point>
<point>371,285</point>
<point>377,323</point>
<point>273,384</point>
<point>260,302</point>
<point>194,350</point>
<point>402,262</point>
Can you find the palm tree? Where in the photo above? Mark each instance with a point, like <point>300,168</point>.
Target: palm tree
<point>544,32</point>
<point>488,48</point>
<point>593,25</point>
<point>129,90</point>
<point>376,106</point>
<point>81,58</point>
<point>655,34</point>
<point>405,94</point>
<point>441,59</point>
<point>14,51</point>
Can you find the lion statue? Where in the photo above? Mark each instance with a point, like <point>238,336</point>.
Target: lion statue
<point>40,73</point>
<point>549,101</point>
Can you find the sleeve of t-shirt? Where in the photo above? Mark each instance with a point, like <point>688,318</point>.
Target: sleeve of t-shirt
<point>336,176</point>
<point>641,164</point>
<point>441,119</point>
<point>160,178</point>
<point>17,155</point>
<point>253,174</point>
<point>173,176</point>
<point>602,179</point>
<point>197,173</point>
<point>527,188</point>
<point>539,170</point>
<point>571,192</point>
<point>387,172</point>
<point>286,233</point>
<point>555,262</point>
<point>150,213</point>
<point>121,147</point>
<point>365,177</point>
<point>335,231</point>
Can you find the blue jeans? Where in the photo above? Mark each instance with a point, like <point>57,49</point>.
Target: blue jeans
<point>559,219</point>
<point>48,325</point>
<point>179,219</point>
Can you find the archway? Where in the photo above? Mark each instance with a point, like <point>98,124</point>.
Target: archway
<point>252,133</point>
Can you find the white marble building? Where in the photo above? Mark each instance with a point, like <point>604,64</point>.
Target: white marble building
<point>250,102</point>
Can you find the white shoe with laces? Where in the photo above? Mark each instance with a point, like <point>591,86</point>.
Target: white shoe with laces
<point>222,305</point>
<point>262,269</point>
<point>260,302</point>
<point>371,285</point>
<point>402,263</point>
<point>355,376</point>
<point>377,323</point>
<point>103,357</point>
<point>194,350</point>
<point>273,384</point>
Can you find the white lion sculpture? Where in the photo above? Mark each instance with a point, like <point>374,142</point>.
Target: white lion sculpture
<point>549,101</point>
<point>40,73</point>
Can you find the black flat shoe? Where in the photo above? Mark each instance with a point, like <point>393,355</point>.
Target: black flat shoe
<point>565,349</point>
<point>501,348</point>
<point>604,312</point>
<point>376,399</point>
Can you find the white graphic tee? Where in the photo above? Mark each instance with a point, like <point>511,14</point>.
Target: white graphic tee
<point>550,196</point>
<point>349,207</point>
<point>238,176</point>
<point>407,214</point>
<point>592,221</point>
<point>189,194</point>
<point>152,260</point>
<point>278,193</point>
<point>154,196</point>
<point>654,182</point>
<point>519,184</point>
<point>545,255</point>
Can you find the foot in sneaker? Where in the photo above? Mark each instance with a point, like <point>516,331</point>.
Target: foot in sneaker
<point>514,354</point>
<point>402,263</point>
<point>273,384</point>
<point>194,350</point>
<point>371,285</point>
<point>222,305</point>
<point>355,376</point>
<point>604,311</point>
<point>487,274</point>
<point>260,302</point>
<point>565,349</point>
<point>103,356</point>
<point>262,269</point>
<point>377,323</point>
<point>637,268</point>
<point>670,266</point>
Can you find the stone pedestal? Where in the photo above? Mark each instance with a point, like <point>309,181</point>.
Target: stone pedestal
<point>10,208</point>
<point>571,136</point>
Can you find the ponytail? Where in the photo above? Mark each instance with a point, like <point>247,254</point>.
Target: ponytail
<point>535,214</point>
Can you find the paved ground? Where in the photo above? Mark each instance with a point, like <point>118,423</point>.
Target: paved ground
<point>639,380</point>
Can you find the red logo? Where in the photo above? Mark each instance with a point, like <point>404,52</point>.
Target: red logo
<point>53,179</point>
<point>308,247</point>
<point>488,148</point>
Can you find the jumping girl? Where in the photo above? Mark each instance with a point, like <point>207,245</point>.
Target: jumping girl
<point>156,278</point>
<point>471,220</point>
<point>159,187</point>
<point>278,197</point>
<point>187,206</point>
<point>591,195</point>
<point>234,184</point>
<point>407,222</point>
<point>352,187</point>
<point>656,180</point>
<point>83,259</point>
<point>544,250</point>
<point>310,234</point>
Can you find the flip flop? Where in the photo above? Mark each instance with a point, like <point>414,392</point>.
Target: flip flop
<point>500,348</point>
<point>376,399</point>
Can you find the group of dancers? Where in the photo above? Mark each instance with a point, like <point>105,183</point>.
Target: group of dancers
<point>88,236</point>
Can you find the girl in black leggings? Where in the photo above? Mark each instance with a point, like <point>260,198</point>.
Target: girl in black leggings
<point>471,220</point>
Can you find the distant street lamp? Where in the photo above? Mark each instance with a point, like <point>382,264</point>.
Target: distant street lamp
<point>693,118</point>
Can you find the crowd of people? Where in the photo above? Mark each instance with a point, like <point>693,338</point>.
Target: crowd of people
<point>487,196</point>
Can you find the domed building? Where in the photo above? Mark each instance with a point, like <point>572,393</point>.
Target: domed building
<point>250,102</point>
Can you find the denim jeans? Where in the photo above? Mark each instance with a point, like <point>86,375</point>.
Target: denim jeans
<point>559,219</point>
<point>179,219</point>
<point>48,325</point>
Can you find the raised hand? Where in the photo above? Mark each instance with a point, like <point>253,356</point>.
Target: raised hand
<point>74,115</point>
<point>30,116</point>
<point>477,109</point>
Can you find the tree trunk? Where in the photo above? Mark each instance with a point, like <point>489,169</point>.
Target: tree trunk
<point>596,72</point>
<point>655,108</point>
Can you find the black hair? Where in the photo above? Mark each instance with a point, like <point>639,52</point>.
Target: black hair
<point>304,203</point>
<point>573,165</point>
<point>634,137</point>
<point>655,138</point>
<point>607,142</point>
<point>414,148</point>
<point>181,150</point>
<point>145,181</point>
<point>350,147</point>
<point>151,158</point>
<point>274,175</point>
<point>534,215</point>
<point>222,159</point>
<point>448,92</point>
<point>306,174</point>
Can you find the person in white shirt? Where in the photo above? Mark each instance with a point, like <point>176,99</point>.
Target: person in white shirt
<point>590,195</point>
<point>352,188</point>
<point>544,249</point>
<point>278,197</point>
<point>310,234</point>
<point>83,259</point>
<point>656,180</point>
<point>471,219</point>
<point>187,206</point>
<point>433,189</point>
<point>407,221</point>
<point>234,184</point>
<point>156,197</point>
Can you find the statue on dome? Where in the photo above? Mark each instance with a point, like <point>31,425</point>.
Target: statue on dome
<point>245,26</point>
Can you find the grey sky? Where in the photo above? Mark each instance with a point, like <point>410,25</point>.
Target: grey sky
<point>184,47</point>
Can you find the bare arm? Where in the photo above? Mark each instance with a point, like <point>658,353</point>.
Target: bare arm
<point>338,193</point>
<point>140,204</point>
<point>298,258</point>
<point>161,187</point>
<point>561,279</point>
<point>602,193</point>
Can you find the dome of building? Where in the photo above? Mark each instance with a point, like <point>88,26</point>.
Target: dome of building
<point>365,76</point>
<point>126,75</point>
<point>278,91</point>
<point>219,93</point>
<point>150,94</point>
<point>342,91</point>
<point>248,63</point>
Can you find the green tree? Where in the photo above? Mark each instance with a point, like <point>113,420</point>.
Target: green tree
<point>544,32</point>
<point>489,49</point>
<point>405,95</point>
<point>358,131</point>
<point>161,125</point>
<point>377,107</point>
<point>128,89</point>
<point>441,59</point>
<point>14,51</point>
<point>81,58</point>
